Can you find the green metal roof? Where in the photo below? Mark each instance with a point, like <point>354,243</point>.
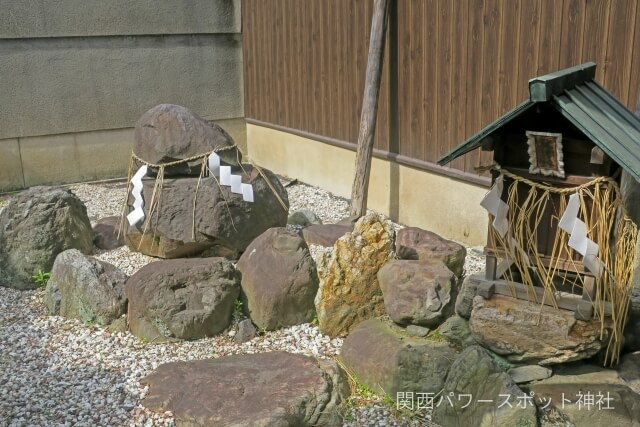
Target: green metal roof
<point>589,107</point>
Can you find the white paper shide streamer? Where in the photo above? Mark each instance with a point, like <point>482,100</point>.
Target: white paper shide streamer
<point>578,239</point>
<point>227,178</point>
<point>493,203</point>
<point>137,214</point>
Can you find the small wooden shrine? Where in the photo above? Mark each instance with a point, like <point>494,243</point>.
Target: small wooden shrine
<point>559,234</point>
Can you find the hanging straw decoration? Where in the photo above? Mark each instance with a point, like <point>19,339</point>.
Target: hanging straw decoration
<point>597,204</point>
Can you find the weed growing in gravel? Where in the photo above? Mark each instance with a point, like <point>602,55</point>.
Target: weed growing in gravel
<point>41,278</point>
<point>238,306</point>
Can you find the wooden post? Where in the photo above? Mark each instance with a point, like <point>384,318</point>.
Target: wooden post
<point>369,108</point>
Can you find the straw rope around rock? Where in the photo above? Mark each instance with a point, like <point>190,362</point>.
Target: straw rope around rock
<point>602,210</point>
<point>156,197</point>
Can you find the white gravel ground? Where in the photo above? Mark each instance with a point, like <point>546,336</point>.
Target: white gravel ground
<point>55,371</point>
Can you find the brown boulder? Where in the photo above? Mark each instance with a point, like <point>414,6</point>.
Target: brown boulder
<point>224,223</point>
<point>349,290</point>
<point>324,234</point>
<point>414,243</point>
<point>525,332</point>
<point>182,298</point>
<point>251,390</point>
<point>418,292</point>
<point>279,280</point>
<point>105,233</point>
<point>168,133</point>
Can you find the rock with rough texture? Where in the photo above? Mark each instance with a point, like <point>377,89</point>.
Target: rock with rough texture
<point>325,234</point>
<point>250,390</point>
<point>224,223</point>
<point>632,329</point>
<point>168,133</point>
<point>82,287</point>
<point>414,243</point>
<point>456,330</point>
<point>349,290</point>
<point>529,373</point>
<point>417,331</point>
<point>388,360</point>
<point>105,233</point>
<point>587,395</point>
<point>478,386</point>
<point>246,331</point>
<point>34,228</point>
<point>525,332</point>
<point>466,294</point>
<point>629,370</point>
<point>418,292</point>
<point>182,298</point>
<point>303,217</point>
<point>279,280</point>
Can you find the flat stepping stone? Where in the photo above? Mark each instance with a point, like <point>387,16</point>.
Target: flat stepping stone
<point>267,389</point>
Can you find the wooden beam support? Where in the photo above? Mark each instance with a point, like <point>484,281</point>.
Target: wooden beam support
<point>369,107</point>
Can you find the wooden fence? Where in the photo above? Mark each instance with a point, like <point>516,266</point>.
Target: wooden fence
<point>451,66</point>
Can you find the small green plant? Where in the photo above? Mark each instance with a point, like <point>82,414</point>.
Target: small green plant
<point>238,305</point>
<point>41,278</point>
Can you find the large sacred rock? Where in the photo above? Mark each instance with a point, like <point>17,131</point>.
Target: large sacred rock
<point>191,218</point>
<point>168,133</point>
<point>349,290</point>
<point>279,280</point>
<point>274,389</point>
<point>37,226</point>
<point>182,298</point>
<point>526,332</point>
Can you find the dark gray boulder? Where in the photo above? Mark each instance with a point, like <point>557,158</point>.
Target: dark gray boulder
<point>85,288</point>
<point>105,233</point>
<point>456,330</point>
<point>475,375</point>
<point>279,280</point>
<point>418,292</point>
<point>388,360</point>
<point>224,223</point>
<point>168,133</point>
<point>414,243</point>
<point>250,390</point>
<point>182,298</point>
<point>303,217</point>
<point>37,226</point>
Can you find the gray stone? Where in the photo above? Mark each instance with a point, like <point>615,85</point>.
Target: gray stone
<point>304,217</point>
<point>82,287</point>
<point>466,294</point>
<point>632,328</point>
<point>413,243</point>
<point>526,332</point>
<point>169,133</point>
<point>613,404</point>
<point>388,360</point>
<point>246,331</point>
<point>279,280</point>
<point>418,331</point>
<point>475,374</point>
<point>456,330</point>
<point>418,292</point>
<point>255,390</point>
<point>629,370</point>
<point>106,235</point>
<point>34,228</point>
<point>224,223</point>
<point>529,373</point>
<point>325,234</point>
<point>182,298</point>
<point>349,290</point>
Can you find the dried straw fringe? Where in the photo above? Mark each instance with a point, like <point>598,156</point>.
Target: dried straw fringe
<point>614,283</point>
<point>156,196</point>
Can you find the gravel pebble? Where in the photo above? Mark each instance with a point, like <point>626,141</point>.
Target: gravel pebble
<point>56,371</point>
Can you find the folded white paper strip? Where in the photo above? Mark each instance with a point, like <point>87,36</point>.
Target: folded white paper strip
<point>137,214</point>
<point>578,239</point>
<point>228,179</point>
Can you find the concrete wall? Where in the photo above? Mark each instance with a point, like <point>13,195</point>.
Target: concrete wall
<point>75,75</point>
<point>410,196</point>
